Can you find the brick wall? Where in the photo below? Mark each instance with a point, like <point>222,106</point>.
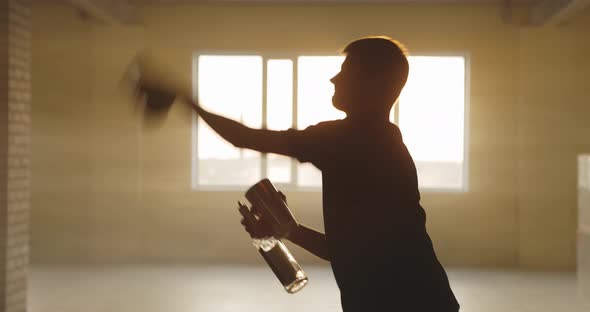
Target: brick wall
<point>15,112</point>
<point>584,226</point>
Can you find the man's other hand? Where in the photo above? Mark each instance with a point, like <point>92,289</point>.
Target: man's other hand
<point>259,229</point>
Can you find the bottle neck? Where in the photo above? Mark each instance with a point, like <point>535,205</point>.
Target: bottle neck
<point>265,244</point>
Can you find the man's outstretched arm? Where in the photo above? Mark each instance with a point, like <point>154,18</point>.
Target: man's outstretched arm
<point>265,141</point>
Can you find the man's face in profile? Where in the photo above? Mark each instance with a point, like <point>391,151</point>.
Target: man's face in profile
<point>358,90</point>
<point>352,87</point>
<point>344,83</point>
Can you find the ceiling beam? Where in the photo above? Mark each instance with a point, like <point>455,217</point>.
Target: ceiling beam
<point>506,11</point>
<point>556,12</point>
<point>114,12</point>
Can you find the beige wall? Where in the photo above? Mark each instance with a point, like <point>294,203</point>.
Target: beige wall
<point>111,192</point>
<point>553,128</point>
<point>583,229</point>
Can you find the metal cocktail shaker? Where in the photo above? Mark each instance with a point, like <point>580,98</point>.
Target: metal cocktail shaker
<point>271,206</point>
<point>268,204</point>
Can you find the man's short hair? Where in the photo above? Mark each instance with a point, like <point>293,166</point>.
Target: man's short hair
<point>380,56</point>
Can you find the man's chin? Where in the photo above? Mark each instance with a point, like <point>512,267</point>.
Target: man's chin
<point>337,105</point>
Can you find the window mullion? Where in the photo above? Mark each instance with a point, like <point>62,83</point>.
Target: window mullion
<point>294,176</point>
<point>195,126</point>
<point>396,112</point>
<point>264,156</point>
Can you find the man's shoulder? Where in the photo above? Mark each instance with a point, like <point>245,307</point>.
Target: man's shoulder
<point>334,122</point>
<point>328,124</point>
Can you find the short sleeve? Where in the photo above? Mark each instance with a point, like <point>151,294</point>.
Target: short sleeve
<point>313,144</point>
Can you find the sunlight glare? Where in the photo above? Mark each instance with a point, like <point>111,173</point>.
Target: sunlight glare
<point>431,108</point>
<point>314,103</point>
<point>315,89</point>
<point>232,87</point>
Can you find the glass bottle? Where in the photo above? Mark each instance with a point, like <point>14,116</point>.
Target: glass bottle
<point>277,256</point>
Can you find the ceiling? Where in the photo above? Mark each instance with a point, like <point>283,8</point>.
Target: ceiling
<point>543,11</point>
<point>345,1</point>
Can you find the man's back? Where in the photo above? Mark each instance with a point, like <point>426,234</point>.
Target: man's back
<point>375,226</point>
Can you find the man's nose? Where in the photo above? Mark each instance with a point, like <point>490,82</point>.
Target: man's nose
<point>333,79</point>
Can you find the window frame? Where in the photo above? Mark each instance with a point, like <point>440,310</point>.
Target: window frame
<point>293,56</point>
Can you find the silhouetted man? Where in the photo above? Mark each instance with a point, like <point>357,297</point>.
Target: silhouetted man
<point>376,239</point>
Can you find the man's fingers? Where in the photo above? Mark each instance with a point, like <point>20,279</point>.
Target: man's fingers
<point>257,229</point>
<point>249,228</point>
<point>283,196</point>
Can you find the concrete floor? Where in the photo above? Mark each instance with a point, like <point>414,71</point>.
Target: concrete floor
<point>246,289</point>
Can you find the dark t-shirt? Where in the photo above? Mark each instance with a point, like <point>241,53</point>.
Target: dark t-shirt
<point>375,226</point>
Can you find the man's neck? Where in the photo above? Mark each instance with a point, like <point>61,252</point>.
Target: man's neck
<point>368,118</point>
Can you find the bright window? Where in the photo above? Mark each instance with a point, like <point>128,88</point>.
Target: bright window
<point>431,116</point>
<point>295,92</point>
<point>237,96</point>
